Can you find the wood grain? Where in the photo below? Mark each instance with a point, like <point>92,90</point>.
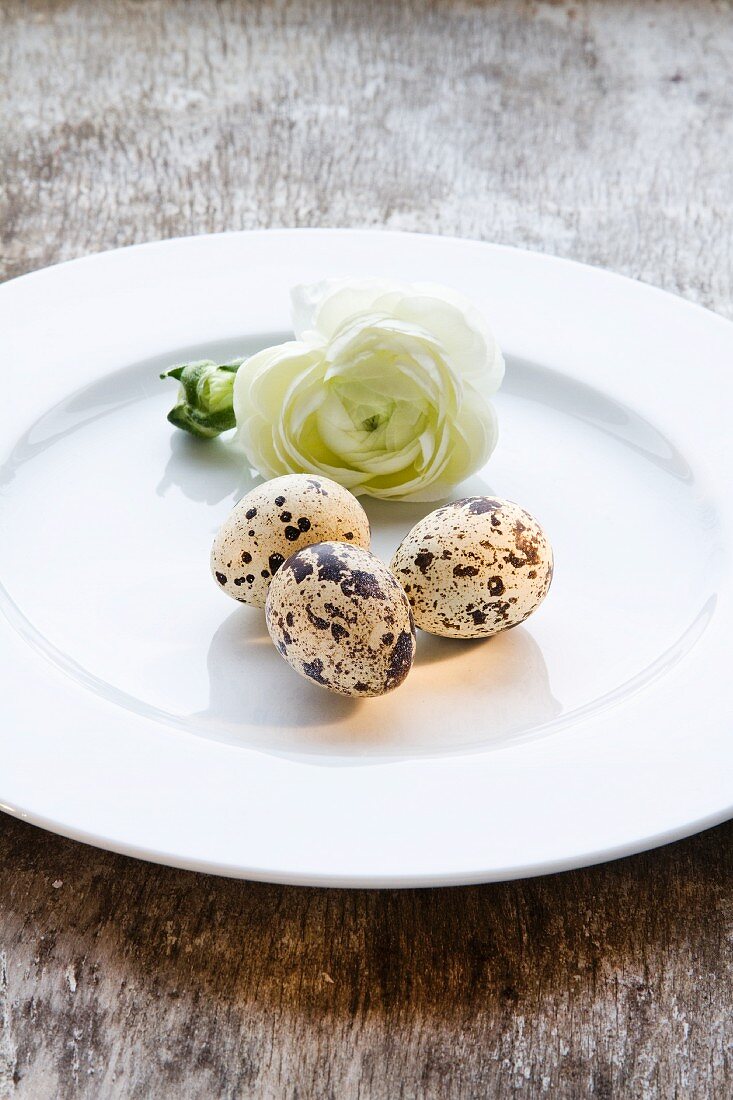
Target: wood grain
<point>601,131</point>
<point>129,980</point>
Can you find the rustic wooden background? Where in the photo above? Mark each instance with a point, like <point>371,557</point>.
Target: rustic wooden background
<point>598,130</point>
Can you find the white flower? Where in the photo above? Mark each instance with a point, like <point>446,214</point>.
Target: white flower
<point>385,389</point>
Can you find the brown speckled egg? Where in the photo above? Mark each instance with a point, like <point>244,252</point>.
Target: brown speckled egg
<point>474,567</point>
<point>273,521</point>
<point>339,617</point>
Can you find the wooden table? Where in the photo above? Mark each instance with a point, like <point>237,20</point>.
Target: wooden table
<point>601,131</point>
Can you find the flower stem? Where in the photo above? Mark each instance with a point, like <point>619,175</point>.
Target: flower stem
<point>205,398</point>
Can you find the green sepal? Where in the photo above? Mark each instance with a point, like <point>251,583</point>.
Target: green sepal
<point>205,399</point>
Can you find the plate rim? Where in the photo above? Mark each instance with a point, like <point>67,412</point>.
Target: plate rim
<point>400,879</point>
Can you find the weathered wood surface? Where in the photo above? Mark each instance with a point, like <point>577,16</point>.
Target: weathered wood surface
<point>601,131</point>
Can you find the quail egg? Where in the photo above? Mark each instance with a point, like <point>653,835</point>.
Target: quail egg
<point>474,567</point>
<point>273,521</point>
<point>339,617</point>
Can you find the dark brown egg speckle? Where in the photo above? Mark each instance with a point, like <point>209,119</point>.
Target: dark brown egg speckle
<point>474,567</point>
<point>276,519</point>
<point>349,625</point>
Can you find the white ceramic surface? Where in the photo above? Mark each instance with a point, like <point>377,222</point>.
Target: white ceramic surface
<point>144,712</point>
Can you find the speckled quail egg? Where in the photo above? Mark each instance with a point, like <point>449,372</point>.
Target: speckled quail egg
<point>474,567</point>
<point>339,617</point>
<point>273,521</point>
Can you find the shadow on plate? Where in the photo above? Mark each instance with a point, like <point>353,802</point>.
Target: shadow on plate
<point>206,471</point>
<point>459,695</point>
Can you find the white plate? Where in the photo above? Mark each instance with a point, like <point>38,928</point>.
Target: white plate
<point>142,711</point>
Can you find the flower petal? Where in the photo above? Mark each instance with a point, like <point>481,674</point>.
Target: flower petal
<point>385,390</point>
<point>324,307</point>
